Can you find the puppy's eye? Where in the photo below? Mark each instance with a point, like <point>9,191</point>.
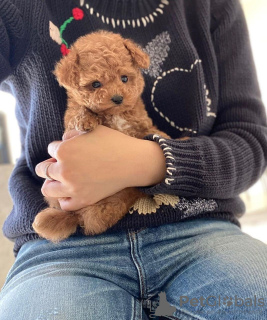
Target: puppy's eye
<point>96,84</point>
<point>124,79</point>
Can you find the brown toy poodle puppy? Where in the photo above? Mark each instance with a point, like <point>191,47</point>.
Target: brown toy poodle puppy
<point>102,76</point>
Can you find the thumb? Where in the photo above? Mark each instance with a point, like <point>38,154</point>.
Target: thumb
<point>70,134</point>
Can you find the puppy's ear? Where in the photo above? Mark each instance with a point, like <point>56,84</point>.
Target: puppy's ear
<point>67,70</point>
<point>140,58</point>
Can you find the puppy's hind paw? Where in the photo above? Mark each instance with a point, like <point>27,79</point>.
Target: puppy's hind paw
<point>55,225</point>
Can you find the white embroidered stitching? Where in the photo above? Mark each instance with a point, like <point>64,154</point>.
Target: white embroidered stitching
<point>154,88</point>
<point>168,155</point>
<point>208,100</point>
<point>133,23</point>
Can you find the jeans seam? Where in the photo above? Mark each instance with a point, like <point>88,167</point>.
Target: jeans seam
<point>136,231</point>
<point>133,237</point>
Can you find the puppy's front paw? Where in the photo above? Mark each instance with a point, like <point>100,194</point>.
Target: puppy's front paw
<point>84,126</point>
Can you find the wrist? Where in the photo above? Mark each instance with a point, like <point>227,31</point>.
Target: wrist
<point>150,164</point>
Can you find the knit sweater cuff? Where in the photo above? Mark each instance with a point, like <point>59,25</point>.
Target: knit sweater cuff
<point>184,174</point>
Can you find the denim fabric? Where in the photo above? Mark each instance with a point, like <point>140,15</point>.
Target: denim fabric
<point>206,268</point>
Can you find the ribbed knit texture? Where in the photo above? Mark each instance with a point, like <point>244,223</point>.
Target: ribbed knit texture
<point>202,83</point>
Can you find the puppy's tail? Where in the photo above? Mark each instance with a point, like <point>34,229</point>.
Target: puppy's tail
<point>54,224</point>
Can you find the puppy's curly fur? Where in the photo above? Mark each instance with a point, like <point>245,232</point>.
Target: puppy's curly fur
<point>102,76</point>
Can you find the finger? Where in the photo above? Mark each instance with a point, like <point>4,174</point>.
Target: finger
<point>70,134</point>
<point>52,148</point>
<point>52,170</point>
<point>47,160</point>
<point>70,204</point>
<point>38,166</point>
<point>53,189</point>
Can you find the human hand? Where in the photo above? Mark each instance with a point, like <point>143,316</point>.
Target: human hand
<point>88,167</point>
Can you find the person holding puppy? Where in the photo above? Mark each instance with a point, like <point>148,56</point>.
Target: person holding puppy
<point>186,240</point>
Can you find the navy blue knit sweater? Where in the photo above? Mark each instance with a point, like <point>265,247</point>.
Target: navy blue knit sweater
<point>201,83</point>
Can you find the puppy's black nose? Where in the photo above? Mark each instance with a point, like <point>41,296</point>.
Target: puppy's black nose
<point>117,99</point>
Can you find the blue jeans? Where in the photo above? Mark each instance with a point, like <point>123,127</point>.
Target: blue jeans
<point>198,269</point>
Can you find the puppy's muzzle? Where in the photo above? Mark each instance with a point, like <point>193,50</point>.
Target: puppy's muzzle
<point>117,99</point>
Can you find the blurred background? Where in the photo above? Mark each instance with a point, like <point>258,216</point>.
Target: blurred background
<point>255,220</point>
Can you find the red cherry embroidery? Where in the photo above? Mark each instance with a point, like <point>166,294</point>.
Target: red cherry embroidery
<point>64,50</point>
<point>77,14</point>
